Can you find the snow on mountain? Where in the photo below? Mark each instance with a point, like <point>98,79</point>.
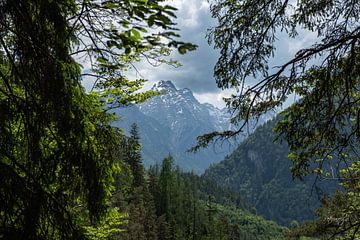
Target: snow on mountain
<point>169,124</point>
<point>178,108</point>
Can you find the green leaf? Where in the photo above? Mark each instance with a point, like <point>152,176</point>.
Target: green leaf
<point>182,50</point>
<point>151,20</point>
<point>136,34</point>
<point>102,60</point>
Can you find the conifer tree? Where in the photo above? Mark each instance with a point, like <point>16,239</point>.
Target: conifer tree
<point>155,189</point>
<point>57,146</point>
<point>166,181</point>
<point>141,208</point>
<point>133,157</point>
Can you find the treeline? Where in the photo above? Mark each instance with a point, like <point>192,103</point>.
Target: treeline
<point>166,203</point>
<point>259,170</point>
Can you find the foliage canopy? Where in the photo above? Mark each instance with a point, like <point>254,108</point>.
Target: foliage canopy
<point>322,128</point>
<point>58,151</point>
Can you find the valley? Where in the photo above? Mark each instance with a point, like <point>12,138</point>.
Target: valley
<point>256,168</point>
<point>179,120</point>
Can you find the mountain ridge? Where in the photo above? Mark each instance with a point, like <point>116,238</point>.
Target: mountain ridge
<point>259,169</point>
<point>169,124</point>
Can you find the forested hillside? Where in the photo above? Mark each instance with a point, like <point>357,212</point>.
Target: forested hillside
<point>69,171</point>
<point>259,169</point>
<point>167,203</point>
<point>320,76</point>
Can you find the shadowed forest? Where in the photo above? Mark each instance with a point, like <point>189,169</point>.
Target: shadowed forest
<point>68,170</point>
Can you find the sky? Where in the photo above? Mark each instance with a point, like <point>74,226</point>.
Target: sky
<point>196,73</point>
<point>194,20</point>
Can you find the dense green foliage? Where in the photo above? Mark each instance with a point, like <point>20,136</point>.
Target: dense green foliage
<point>60,158</point>
<point>58,151</point>
<point>259,170</point>
<point>323,127</point>
<point>172,204</point>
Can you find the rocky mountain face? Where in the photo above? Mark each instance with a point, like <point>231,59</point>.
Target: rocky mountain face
<point>169,124</point>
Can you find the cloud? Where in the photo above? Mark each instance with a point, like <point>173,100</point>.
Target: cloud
<point>196,73</point>
<point>214,98</point>
<point>194,19</point>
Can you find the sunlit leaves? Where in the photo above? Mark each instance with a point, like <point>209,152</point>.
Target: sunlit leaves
<point>108,227</point>
<point>58,150</point>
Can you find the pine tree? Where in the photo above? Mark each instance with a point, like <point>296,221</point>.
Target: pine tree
<point>57,146</point>
<point>164,229</point>
<point>135,228</point>
<point>166,181</point>
<point>140,204</point>
<point>133,157</point>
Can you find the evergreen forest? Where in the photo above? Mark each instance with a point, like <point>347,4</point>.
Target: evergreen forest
<point>68,171</point>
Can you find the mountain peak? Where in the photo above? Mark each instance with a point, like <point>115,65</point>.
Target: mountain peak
<point>164,86</point>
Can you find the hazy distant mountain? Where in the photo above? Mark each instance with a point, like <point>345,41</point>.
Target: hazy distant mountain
<point>169,124</point>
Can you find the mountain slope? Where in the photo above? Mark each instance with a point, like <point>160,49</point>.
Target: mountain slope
<point>260,170</point>
<point>169,124</point>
